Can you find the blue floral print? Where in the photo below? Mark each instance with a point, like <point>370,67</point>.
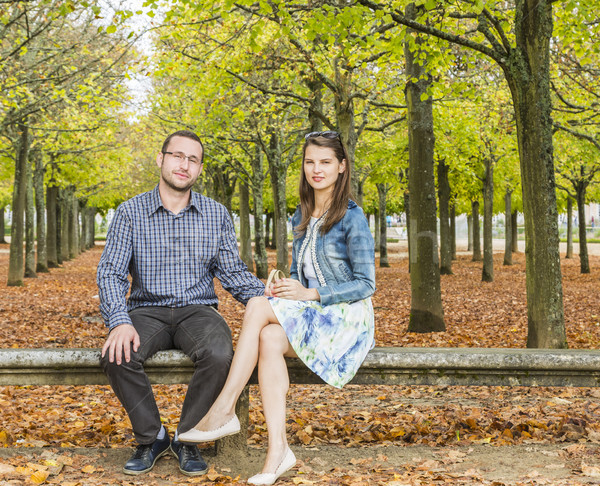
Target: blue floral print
<point>332,340</point>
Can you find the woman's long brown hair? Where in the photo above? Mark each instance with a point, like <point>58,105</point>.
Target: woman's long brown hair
<point>341,191</point>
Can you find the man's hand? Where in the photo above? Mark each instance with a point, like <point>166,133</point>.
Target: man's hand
<point>119,343</point>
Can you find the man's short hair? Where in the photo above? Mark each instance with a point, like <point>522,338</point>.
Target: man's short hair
<point>183,133</point>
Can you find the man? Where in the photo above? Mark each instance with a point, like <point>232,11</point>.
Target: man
<point>173,242</point>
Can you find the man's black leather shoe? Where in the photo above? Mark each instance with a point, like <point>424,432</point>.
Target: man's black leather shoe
<point>146,455</point>
<point>190,460</point>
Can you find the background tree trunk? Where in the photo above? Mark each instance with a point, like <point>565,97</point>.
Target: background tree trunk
<point>507,228</point>
<point>29,226</point>
<point>278,172</point>
<point>258,182</point>
<point>15,262</point>
<point>584,261</point>
<point>515,231</point>
<point>476,232</point>
<point>487,274</point>
<point>444,198</point>
<point>527,72</point>
<point>91,235</point>
<point>569,227</point>
<point>267,230</point>
<point>407,217</point>
<point>377,230</point>
<point>453,231</point>
<point>382,190</point>
<point>40,213</point>
<point>65,214</point>
<point>74,226</point>
<point>83,224</point>
<point>470,232</point>
<point>52,226</point>
<point>427,313</point>
<point>2,225</point>
<point>245,234</point>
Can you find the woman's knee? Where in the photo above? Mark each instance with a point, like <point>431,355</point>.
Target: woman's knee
<point>258,305</point>
<point>273,339</point>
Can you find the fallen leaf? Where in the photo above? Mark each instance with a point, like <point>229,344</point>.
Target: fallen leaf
<point>39,477</point>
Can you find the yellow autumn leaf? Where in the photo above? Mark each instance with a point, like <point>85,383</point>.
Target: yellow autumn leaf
<point>79,424</point>
<point>89,469</point>
<point>39,477</point>
<point>3,437</point>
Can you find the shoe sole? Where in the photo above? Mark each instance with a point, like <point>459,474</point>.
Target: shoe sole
<point>137,473</point>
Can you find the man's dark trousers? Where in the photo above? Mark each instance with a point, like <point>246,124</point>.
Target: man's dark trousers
<point>202,334</point>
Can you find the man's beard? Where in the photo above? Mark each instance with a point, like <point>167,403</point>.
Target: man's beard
<point>169,182</point>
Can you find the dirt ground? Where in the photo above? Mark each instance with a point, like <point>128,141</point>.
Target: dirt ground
<point>393,465</point>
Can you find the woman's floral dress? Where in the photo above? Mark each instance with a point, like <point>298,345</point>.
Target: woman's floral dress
<point>331,340</point>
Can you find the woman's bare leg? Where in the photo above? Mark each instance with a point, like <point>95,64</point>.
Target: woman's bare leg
<point>274,383</point>
<point>259,314</point>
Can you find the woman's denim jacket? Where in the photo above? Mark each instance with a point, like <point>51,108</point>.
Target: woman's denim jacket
<point>344,257</point>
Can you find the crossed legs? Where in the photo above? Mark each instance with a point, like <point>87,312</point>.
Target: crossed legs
<point>262,340</point>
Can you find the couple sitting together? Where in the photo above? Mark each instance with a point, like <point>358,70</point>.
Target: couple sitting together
<point>173,242</point>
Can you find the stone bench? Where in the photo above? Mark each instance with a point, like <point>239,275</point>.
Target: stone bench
<point>383,366</point>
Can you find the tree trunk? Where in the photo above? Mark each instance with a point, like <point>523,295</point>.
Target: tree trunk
<point>427,313</point>
<point>584,262</point>
<point>315,85</point>
<point>515,231</point>
<point>52,226</point>
<point>15,262</point>
<point>84,226</point>
<point>407,217</point>
<point>569,227</point>
<point>245,234</point>
<point>470,232</point>
<point>2,225</point>
<point>258,182</point>
<point>453,231</point>
<point>65,216</point>
<point>40,213</point>
<point>74,227</point>
<point>278,172</point>
<point>344,111</point>
<point>273,231</point>
<point>382,190</point>
<point>527,71</point>
<point>444,198</point>
<point>377,230</point>
<point>91,235</point>
<point>487,273</point>
<point>476,232</point>
<point>267,230</point>
<point>29,226</point>
<point>507,228</point>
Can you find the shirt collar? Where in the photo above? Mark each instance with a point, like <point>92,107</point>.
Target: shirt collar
<point>156,202</point>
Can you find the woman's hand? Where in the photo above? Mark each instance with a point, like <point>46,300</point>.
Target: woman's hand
<point>288,288</point>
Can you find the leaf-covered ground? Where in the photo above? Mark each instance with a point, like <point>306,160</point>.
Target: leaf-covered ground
<point>360,435</point>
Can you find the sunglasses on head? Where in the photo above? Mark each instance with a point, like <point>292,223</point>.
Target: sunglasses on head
<point>325,134</point>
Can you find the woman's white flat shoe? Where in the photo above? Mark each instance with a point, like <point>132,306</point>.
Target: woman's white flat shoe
<point>288,462</point>
<point>229,428</point>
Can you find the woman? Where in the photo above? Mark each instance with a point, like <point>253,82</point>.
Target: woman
<point>322,314</point>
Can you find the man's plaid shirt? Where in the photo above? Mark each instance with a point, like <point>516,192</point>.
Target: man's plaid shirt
<point>172,259</point>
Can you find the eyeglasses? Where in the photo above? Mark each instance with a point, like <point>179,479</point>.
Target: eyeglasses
<point>180,157</point>
<point>326,134</point>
